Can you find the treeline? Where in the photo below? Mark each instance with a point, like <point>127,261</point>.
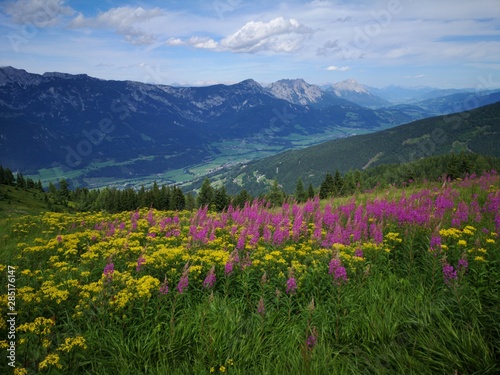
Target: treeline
<point>18,180</point>
<point>61,197</point>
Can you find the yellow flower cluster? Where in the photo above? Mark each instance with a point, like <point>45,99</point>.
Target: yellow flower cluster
<point>40,326</point>
<point>71,342</point>
<point>52,359</point>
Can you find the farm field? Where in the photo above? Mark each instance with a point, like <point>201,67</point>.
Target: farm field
<point>394,281</point>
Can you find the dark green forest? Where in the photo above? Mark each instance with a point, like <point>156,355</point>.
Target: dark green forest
<point>61,197</point>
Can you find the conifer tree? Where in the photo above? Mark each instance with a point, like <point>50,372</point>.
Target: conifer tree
<point>327,187</point>
<point>190,202</point>
<point>276,196</point>
<point>300,193</point>
<point>310,192</point>
<point>338,184</point>
<point>221,199</point>
<point>206,194</point>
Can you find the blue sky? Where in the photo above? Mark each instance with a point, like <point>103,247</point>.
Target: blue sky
<point>445,43</point>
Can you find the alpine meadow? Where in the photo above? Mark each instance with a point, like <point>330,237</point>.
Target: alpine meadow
<point>239,187</point>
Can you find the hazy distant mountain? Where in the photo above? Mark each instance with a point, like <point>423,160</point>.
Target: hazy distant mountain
<point>298,91</point>
<point>398,94</point>
<point>353,91</point>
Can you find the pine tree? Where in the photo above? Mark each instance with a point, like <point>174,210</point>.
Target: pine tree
<point>310,191</point>
<point>64,189</point>
<point>300,193</point>
<point>276,196</point>
<point>190,202</point>
<point>241,198</point>
<point>8,177</point>
<point>178,200</point>
<point>20,181</point>
<point>338,184</point>
<point>206,194</point>
<point>221,199</point>
<point>327,187</point>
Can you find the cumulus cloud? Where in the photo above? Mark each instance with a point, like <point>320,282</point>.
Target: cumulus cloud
<point>338,68</point>
<point>41,13</point>
<point>278,35</point>
<point>124,20</point>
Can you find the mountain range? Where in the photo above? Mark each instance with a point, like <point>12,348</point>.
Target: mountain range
<point>98,132</point>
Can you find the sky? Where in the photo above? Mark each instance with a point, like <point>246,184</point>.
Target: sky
<point>438,43</point>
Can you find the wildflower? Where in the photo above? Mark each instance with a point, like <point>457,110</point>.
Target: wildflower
<point>291,285</point>
<point>228,268</point>
<point>140,262</point>
<point>339,272</point>
<point>435,244</point>
<point>212,369</point>
<point>109,270</point>
<point>462,243</point>
<point>184,281</point>
<point>209,281</point>
<point>312,339</point>
<point>51,359</point>
<point>261,308</point>
<point>164,287</point>
<point>463,264</point>
<point>222,369</point>
<point>449,273</point>
<point>358,253</point>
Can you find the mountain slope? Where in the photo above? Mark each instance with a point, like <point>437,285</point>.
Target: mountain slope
<point>97,131</point>
<point>298,91</point>
<point>353,91</point>
<point>476,131</point>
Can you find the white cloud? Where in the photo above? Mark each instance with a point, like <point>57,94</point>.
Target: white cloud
<point>278,35</point>
<point>338,68</point>
<point>41,13</point>
<point>124,20</point>
<point>175,42</point>
<point>202,42</point>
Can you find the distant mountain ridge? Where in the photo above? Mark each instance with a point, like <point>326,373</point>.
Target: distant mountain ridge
<point>98,131</point>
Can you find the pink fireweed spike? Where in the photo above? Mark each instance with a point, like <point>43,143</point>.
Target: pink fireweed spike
<point>210,279</point>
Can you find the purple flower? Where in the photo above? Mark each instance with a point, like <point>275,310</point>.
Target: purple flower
<point>140,262</point>
<point>334,264</point>
<point>339,272</point>
<point>228,268</point>
<point>164,287</point>
<point>209,281</point>
<point>358,253</point>
<point>312,339</point>
<point>291,285</point>
<point>449,273</point>
<point>108,270</point>
<point>183,283</point>
<point>340,275</point>
<point>59,238</point>
<point>463,264</point>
